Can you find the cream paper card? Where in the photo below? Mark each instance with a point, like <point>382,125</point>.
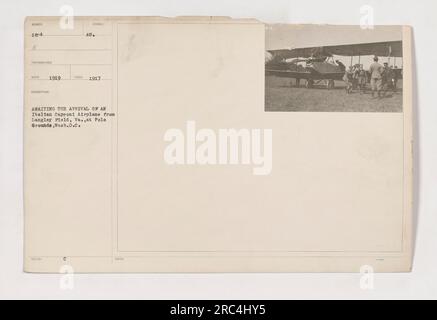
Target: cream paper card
<point>185,145</point>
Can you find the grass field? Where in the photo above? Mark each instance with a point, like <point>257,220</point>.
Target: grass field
<point>280,95</point>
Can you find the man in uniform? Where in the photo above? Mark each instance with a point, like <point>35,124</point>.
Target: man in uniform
<point>395,78</point>
<point>376,70</point>
<point>348,78</point>
<point>362,78</point>
<point>386,77</point>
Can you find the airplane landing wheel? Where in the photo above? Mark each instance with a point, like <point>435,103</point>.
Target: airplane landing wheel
<point>310,83</point>
<point>330,84</point>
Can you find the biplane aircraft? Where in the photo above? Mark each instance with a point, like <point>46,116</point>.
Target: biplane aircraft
<point>317,64</point>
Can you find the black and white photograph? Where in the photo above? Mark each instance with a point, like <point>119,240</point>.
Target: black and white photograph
<point>329,68</point>
<point>218,159</point>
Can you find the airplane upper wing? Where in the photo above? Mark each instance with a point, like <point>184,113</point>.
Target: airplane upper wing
<point>383,49</point>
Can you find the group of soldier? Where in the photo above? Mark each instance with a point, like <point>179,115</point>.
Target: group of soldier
<point>382,78</point>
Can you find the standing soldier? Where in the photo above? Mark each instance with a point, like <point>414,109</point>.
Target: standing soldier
<point>395,78</point>
<point>376,77</point>
<point>348,78</point>
<point>356,72</point>
<point>385,77</point>
<point>362,79</point>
